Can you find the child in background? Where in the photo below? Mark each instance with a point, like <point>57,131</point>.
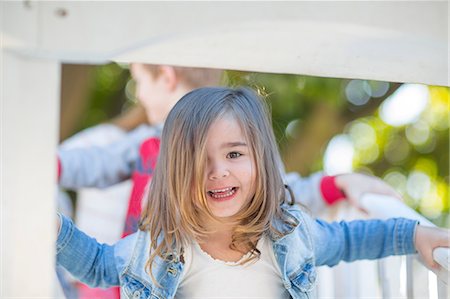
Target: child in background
<point>218,222</point>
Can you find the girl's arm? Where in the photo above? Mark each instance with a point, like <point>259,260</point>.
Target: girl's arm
<point>374,239</point>
<point>86,259</point>
<point>362,239</point>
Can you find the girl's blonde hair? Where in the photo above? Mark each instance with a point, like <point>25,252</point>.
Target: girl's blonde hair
<point>177,201</point>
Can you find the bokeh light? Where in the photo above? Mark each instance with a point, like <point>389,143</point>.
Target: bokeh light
<point>130,91</point>
<point>397,150</point>
<point>292,128</point>
<point>438,113</point>
<point>405,105</point>
<point>418,133</point>
<point>338,156</point>
<point>363,135</point>
<point>376,89</point>
<point>364,139</point>
<point>433,206</point>
<point>397,180</point>
<point>356,92</point>
<point>418,185</point>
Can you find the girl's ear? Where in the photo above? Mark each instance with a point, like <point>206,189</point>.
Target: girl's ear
<point>169,77</point>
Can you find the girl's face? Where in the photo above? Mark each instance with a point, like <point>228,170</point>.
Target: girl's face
<point>230,171</point>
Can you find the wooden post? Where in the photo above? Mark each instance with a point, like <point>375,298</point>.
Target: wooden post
<point>29,131</point>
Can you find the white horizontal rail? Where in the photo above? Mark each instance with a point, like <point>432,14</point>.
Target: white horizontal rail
<point>383,207</point>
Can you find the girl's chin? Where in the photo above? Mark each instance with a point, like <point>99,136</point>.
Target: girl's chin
<point>223,212</point>
<point>224,216</point>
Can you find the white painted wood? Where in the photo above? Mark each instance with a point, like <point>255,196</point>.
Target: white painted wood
<point>392,286</point>
<point>19,24</point>
<point>420,284</point>
<point>409,277</point>
<point>443,290</point>
<point>399,41</point>
<point>377,205</point>
<point>29,127</point>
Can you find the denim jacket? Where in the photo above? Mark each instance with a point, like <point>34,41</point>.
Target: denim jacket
<point>303,247</point>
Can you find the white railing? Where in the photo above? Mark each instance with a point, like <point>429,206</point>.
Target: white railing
<point>387,207</point>
<point>393,277</point>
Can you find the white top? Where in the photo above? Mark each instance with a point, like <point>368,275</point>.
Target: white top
<point>206,277</point>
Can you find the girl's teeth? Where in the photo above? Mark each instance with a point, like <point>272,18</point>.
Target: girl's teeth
<point>230,192</point>
<point>221,190</point>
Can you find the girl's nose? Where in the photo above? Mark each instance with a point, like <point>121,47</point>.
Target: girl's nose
<point>218,172</point>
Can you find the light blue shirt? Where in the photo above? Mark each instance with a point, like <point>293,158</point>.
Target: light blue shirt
<point>303,247</point>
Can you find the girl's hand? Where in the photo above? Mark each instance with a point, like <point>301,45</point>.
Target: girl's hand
<point>429,238</point>
<point>354,185</point>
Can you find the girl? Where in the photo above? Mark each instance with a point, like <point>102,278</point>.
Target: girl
<point>219,222</point>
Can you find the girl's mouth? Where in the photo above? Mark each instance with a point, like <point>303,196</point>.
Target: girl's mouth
<point>223,194</point>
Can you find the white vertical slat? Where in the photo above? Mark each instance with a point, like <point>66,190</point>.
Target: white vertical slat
<point>29,125</point>
<point>419,279</point>
<point>382,278</point>
<point>409,277</point>
<point>443,290</point>
<point>391,283</point>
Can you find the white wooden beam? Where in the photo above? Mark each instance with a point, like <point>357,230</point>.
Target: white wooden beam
<point>400,41</point>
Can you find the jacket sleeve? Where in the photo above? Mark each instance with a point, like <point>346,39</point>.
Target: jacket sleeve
<point>361,239</point>
<point>307,191</point>
<point>102,166</point>
<point>87,260</point>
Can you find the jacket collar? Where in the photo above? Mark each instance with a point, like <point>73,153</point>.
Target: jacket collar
<point>286,225</point>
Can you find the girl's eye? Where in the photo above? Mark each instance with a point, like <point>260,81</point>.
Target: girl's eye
<point>234,155</point>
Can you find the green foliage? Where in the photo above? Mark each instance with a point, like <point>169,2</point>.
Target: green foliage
<point>107,97</point>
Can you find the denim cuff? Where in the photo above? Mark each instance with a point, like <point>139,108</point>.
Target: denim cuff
<point>405,230</point>
<point>66,230</point>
